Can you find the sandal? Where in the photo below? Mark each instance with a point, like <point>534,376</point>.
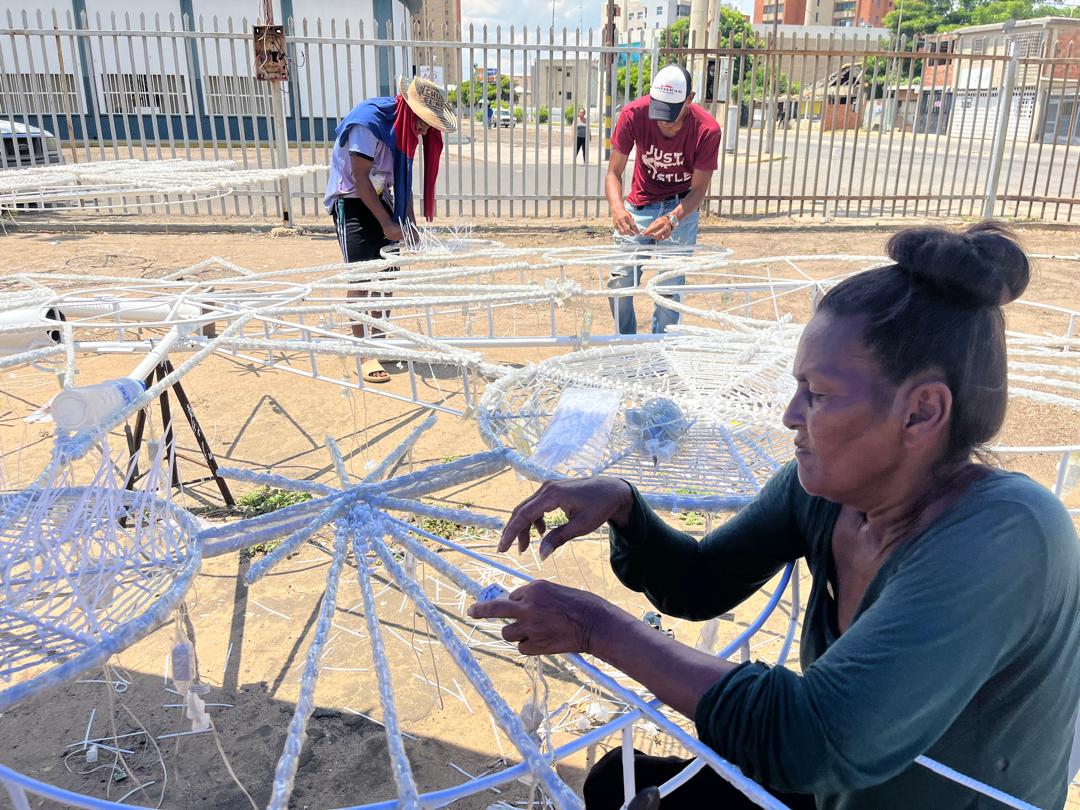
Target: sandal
<point>371,371</point>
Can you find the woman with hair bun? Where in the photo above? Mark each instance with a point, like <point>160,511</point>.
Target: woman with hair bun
<point>944,617</point>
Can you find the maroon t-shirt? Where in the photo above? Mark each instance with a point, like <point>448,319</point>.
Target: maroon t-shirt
<point>665,166</point>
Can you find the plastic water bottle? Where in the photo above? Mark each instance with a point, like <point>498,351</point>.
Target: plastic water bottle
<point>80,408</point>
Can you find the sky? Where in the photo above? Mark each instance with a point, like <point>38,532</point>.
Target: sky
<point>570,14</point>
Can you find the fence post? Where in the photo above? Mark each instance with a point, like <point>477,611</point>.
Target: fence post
<point>997,152</point>
<point>281,143</point>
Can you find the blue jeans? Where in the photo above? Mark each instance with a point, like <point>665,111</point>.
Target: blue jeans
<point>622,308</point>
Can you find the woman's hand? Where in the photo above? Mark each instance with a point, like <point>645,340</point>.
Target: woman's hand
<point>549,618</point>
<point>588,505</point>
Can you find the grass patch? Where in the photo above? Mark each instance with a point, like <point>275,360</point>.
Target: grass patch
<point>261,501</point>
<point>268,499</point>
<point>556,518</point>
<point>693,520</point>
<point>446,529</point>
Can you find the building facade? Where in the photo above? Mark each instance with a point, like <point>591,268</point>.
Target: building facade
<point>174,82</point>
<point>438,20</point>
<point>1043,106</point>
<point>779,12</point>
<point>561,83</point>
<point>648,18</point>
<point>638,23</point>
<point>829,13</point>
<point>812,40</point>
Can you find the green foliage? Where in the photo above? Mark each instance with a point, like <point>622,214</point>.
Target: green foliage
<point>629,74</point>
<point>920,17</point>
<point>519,114</point>
<point>676,35</point>
<point>692,519</point>
<point>735,31</point>
<point>542,115</point>
<point>443,528</point>
<point>268,499</point>
<point>474,93</point>
<point>556,518</point>
<point>569,113</point>
<point>259,548</point>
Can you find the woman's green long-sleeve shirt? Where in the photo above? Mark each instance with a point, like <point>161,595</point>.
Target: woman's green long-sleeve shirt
<point>965,647</point>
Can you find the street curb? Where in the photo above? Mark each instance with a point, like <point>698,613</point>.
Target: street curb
<point>596,228</point>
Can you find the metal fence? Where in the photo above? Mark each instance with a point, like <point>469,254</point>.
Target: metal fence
<point>838,126</point>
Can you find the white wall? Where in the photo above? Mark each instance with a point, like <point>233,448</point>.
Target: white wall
<point>328,78</point>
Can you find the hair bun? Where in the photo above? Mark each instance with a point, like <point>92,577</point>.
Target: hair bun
<point>982,266</point>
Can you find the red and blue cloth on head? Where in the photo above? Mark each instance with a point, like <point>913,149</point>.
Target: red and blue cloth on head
<point>393,122</point>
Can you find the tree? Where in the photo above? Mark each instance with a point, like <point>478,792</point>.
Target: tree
<point>628,75</point>
<point>922,17</point>
<point>917,17</point>
<point>474,93</point>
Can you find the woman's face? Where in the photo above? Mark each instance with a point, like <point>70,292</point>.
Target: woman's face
<point>847,417</point>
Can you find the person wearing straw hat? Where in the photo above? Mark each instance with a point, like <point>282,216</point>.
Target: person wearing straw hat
<point>369,192</point>
<point>677,145</point>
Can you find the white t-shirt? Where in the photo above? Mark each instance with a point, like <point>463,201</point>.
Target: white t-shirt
<point>360,141</point>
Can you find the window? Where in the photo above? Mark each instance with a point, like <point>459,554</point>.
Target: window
<point>236,95</point>
<point>1029,44</point>
<point>41,93</point>
<point>133,93</point>
<point>659,10</point>
<point>569,95</point>
<point>978,45</point>
<point>682,10</point>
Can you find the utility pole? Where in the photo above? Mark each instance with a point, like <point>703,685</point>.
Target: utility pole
<point>770,82</point>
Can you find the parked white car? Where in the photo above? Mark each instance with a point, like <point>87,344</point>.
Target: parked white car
<point>504,118</point>
<point>26,145</point>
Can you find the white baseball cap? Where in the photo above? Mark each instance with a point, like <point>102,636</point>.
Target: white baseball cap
<point>668,93</point>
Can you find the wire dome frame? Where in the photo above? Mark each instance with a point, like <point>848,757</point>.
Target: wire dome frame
<point>753,355</point>
<point>432,241</point>
<point>628,251</point>
<point>87,571</point>
<point>1043,350</point>
<point>588,412</point>
<point>98,184</point>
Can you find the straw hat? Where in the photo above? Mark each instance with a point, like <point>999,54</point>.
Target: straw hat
<point>428,101</point>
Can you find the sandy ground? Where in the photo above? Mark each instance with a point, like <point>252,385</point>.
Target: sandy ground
<point>252,642</point>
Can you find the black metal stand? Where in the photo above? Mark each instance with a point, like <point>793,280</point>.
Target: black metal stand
<point>135,439</point>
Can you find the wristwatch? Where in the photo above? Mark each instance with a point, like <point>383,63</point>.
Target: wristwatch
<point>674,220</point>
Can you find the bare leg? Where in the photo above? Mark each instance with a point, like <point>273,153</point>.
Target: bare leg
<point>371,370</point>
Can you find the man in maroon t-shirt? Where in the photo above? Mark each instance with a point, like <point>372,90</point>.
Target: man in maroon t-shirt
<point>677,144</point>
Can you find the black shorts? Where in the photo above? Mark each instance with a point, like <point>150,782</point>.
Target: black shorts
<point>360,236</point>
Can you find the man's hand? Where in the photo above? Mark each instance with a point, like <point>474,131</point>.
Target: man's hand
<point>392,231</point>
<point>624,222</point>
<point>660,229</point>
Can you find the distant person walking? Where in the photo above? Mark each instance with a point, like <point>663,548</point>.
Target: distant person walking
<point>582,136</point>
